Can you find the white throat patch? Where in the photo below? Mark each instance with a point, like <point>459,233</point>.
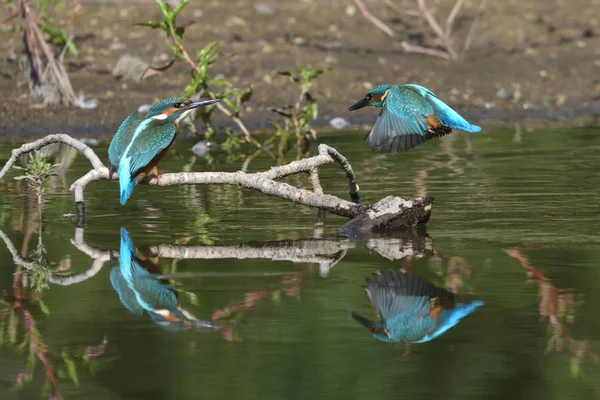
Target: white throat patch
<point>160,117</point>
<point>182,116</point>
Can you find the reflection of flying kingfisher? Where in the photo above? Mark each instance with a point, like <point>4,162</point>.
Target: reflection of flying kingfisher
<point>132,278</point>
<point>412,310</point>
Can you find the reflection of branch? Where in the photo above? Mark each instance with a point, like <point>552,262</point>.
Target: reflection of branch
<point>556,305</point>
<point>264,182</point>
<point>60,279</point>
<point>301,251</point>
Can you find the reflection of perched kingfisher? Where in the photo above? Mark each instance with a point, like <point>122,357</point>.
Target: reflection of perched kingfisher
<point>139,144</point>
<point>132,278</point>
<point>412,310</point>
<point>410,115</point>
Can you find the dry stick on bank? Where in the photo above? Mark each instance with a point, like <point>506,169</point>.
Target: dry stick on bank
<point>444,34</point>
<point>390,212</point>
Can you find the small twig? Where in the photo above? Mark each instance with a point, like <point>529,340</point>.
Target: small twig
<point>220,106</point>
<point>451,17</point>
<point>337,156</point>
<point>438,29</point>
<point>411,48</point>
<point>376,21</point>
<point>14,15</point>
<point>397,10</point>
<point>430,19</point>
<point>471,33</point>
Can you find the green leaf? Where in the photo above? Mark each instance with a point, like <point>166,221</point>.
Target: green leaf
<point>44,307</point>
<point>72,369</point>
<point>281,112</point>
<point>180,7</point>
<point>72,48</point>
<point>231,105</point>
<point>151,24</point>
<point>575,367</point>
<point>165,9</point>
<point>246,95</point>
<point>206,52</point>
<point>219,82</point>
<point>314,110</point>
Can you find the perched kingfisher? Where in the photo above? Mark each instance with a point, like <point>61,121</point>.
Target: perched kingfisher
<point>140,143</point>
<point>412,310</point>
<point>410,115</point>
<point>133,277</point>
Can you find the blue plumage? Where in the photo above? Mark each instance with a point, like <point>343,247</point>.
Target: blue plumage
<point>140,291</point>
<point>139,144</point>
<point>412,310</point>
<point>410,115</point>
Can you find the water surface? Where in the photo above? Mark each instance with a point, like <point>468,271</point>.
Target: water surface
<point>514,224</point>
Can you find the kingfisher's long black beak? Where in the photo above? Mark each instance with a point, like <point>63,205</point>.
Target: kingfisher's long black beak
<point>359,104</point>
<point>200,103</point>
<point>363,321</point>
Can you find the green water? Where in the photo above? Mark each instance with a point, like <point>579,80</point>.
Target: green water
<point>514,224</point>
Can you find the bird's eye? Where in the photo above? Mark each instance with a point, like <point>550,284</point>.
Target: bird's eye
<point>368,97</point>
<point>177,105</point>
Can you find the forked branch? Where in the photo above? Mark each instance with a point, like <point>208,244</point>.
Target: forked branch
<point>392,211</point>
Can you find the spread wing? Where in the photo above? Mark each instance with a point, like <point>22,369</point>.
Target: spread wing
<point>450,318</point>
<point>394,292</point>
<point>147,144</point>
<point>122,138</point>
<point>402,123</point>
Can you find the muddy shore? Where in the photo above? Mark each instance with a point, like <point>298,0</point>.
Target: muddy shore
<point>535,62</point>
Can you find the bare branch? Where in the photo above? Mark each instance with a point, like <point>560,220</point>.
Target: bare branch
<point>452,16</point>
<point>337,156</point>
<point>430,19</point>
<point>58,279</point>
<point>376,21</point>
<point>411,48</point>
<point>56,138</point>
<point>473,27</point>
<point>263,182</point>
<point>397,10</point>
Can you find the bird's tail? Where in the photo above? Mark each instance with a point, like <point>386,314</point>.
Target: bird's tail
<point>362,320</point>
<point>127,247</point>
<point>126,184</point>
<point>450,118</point>
<point>461,310</point>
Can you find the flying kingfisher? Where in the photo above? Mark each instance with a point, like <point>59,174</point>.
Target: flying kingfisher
<point>410,115</point>
<point>133,276</point>
<point>140,143</point>
<point>412,310</point>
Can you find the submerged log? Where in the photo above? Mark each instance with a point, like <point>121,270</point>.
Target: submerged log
<point>390,213</point>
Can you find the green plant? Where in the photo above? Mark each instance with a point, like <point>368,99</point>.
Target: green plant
<point>49,25</point>
<point>202,84</point>
<point>38,170</point>
<point>297,117</point>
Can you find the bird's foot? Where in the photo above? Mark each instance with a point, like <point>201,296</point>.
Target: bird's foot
<point>158,176</point>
